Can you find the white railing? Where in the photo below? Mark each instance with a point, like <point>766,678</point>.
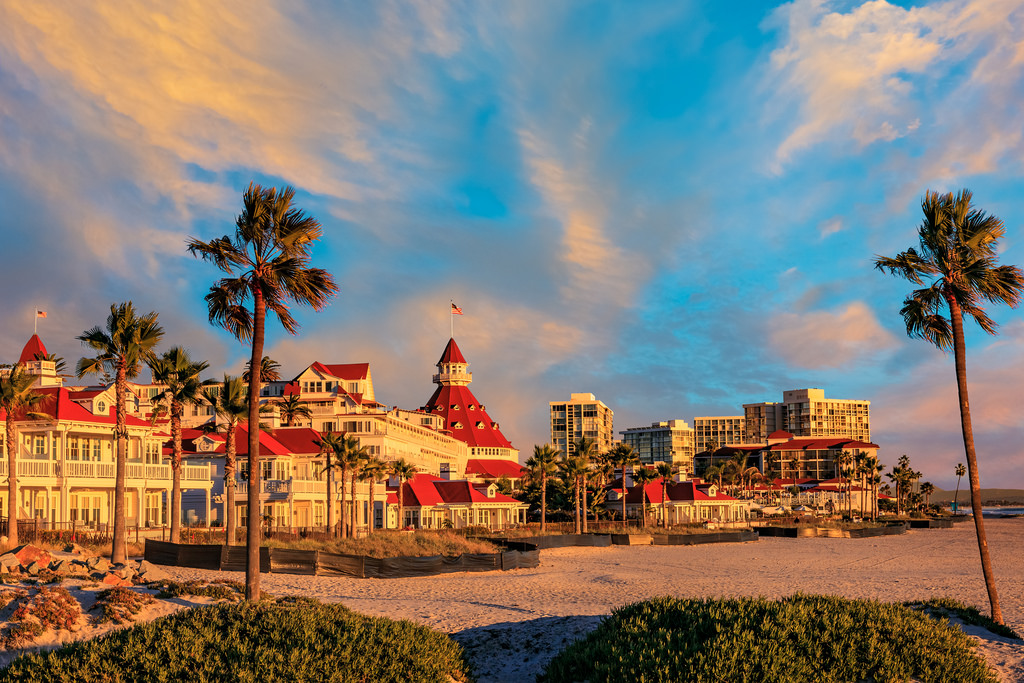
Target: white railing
<point>309,486</point>
<point>196,473</point>
<point>85,469</point>
<point>35,468</point>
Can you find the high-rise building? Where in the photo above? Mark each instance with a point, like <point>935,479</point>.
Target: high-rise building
<point>809,413</point>
<point>761,419</point>
<point>667,441</point>
<point>725,430</point>
<point>583,415</point>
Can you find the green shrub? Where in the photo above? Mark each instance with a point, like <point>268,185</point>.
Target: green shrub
<point>948,607</point>
<point>802,638</point>
<point>298,640</point>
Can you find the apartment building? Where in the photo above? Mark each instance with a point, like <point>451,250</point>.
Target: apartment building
<point>761,419</point>
<point>809,413</point>
<point>667,441</point>
<point>583,415</point>
<point>724,430</point>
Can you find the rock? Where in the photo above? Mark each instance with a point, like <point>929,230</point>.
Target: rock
<point>112,579</point>
<point>150,572</point>
<point>34,568</point>
<point>61,566</point>
<point>8,560</point>
<point>76,549</point>
<point>27,554</point>
<point>124,571</point>
<point>99,564</point>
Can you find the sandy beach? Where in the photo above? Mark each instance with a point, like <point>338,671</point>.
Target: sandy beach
<point>512,623</point>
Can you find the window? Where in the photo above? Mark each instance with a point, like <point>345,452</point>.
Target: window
<point>101,406</point>
<point>73,448</point>
<point>327,427</point>
<point>39,445</point>
<point>96,449</point>
<point>267,469</point>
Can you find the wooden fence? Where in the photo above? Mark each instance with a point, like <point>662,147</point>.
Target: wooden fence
<point>317,562</point>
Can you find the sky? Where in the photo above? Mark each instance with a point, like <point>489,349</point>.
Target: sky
<point>674,206</point>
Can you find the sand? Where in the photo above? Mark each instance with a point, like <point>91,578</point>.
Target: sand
<point>512,623</point>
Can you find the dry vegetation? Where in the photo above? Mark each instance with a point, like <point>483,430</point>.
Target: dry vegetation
<point>395,544</point>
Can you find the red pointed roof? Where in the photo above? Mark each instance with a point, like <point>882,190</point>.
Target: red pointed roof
<point>33,347</point>
<point>452,354</point>
<point>348,371</point>
<point>465,418</point>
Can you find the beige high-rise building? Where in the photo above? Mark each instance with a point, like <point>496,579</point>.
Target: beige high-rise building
<point>809,413</point>
<point>667,441</point>
<point>761,419</point>
<point>583,415</point>
<point>725,429</point>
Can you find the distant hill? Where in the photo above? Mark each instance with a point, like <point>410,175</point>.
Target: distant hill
<point>988,496</point>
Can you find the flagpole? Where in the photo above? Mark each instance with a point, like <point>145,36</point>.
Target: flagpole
<point>451,317</point>
<point>35,321</point>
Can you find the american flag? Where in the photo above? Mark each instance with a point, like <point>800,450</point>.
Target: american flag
<point>40,314</point>
<point>456,310</point>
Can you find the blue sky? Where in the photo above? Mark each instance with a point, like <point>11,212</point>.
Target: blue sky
<point>671,205</point>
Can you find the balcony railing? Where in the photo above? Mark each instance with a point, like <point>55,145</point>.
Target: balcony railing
<point>72,469</point>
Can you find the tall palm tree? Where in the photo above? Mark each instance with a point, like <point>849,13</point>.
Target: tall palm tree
<point>126,343</point>
<point>666,471</point>
<point>573,468</point>
<point>179,375</point>
<point>642,476</point>
<point>403,471</point>
<point>622,456</point>
<point>927,489</point>
<point>16,400</point>
<point>586,450</point>
<point>267,262</point>
<point>270,370</point>
<point>372,471</point>
<point>960,471</point>
<point>330,443</point>
<point>291,408</point>
<point>230,405</point>
<point>354,456</point>
<point>957,258</point>
<point>543,464</point>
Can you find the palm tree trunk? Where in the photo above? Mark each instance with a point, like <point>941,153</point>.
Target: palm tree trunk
<point>343,518</point>
<point>643,503</point>
<point>583,490</point>
<point>543,501</point>
<point>330,500</point>
<point>401,504</point>
<point>176,410</point>
<point>118,551</point>
<point>956,494</point>
<point>370,520</point>
<point>960,360</point>
<point>624,495</point>
<point>229,485</point>
<point>577,528</point>
<point>355,514</point>
<point>12,483</point>
<point>252,541</point>
<point>664,504</point>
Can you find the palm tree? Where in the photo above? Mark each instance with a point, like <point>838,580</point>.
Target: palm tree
<point>958,251</point>
<point>16,398</point>
<point>126,343</point>
<point>623,456</point>
<point>372,471</point>
<point>573,469</point>
<point>179,374</point>
<point>292,407</point>
<point>927,489</point>
<point>586,450</point>
<point>268,263</point>
<point>230,405</point>
<point>270,370</point>
<point>355,456</point>
<point>330,443</point>
<point>543,464</point>
<point>59,365</point>
<point>960,471</point>
<point>403,471</point>
<point>666,471</point>
<point>643,476</point>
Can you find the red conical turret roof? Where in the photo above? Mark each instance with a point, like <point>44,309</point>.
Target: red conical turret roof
<point>32,348</point>
<point>452,354</point>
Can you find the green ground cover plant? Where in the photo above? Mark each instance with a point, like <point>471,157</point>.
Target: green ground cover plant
<point>948,607</point>
<point>796,639</point>
<point>291,640</point>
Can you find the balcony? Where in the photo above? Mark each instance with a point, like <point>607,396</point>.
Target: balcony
<point>31,471</point>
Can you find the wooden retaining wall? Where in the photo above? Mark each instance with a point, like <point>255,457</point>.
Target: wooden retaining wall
<point>824,532</point>
<point>310,562</point>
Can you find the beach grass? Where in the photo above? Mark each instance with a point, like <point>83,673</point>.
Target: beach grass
<point>298,640</point>
<point>801,638</point>
<point>394,544</point>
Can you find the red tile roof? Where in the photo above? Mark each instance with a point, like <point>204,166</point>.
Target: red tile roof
<point>780,434</point>
<point>62,408</point>
<point>467,421</point>
<point>452,354</point>
<point>347,371</point>
<point>494,468</point>
<point>678,491</point>
<point>284,441</point>
<point>821,444</point>
<point>32,347</point>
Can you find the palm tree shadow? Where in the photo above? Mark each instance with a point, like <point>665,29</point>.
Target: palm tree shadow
<point>520,650</point>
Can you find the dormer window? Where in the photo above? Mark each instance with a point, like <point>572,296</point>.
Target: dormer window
<point>491,491</point>
<point>454,406</point>
<point>456,425</point>
<point>101,407</point>
<point>479,425</point>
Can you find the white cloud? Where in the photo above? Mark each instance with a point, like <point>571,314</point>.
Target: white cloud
<point>826,339</point>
